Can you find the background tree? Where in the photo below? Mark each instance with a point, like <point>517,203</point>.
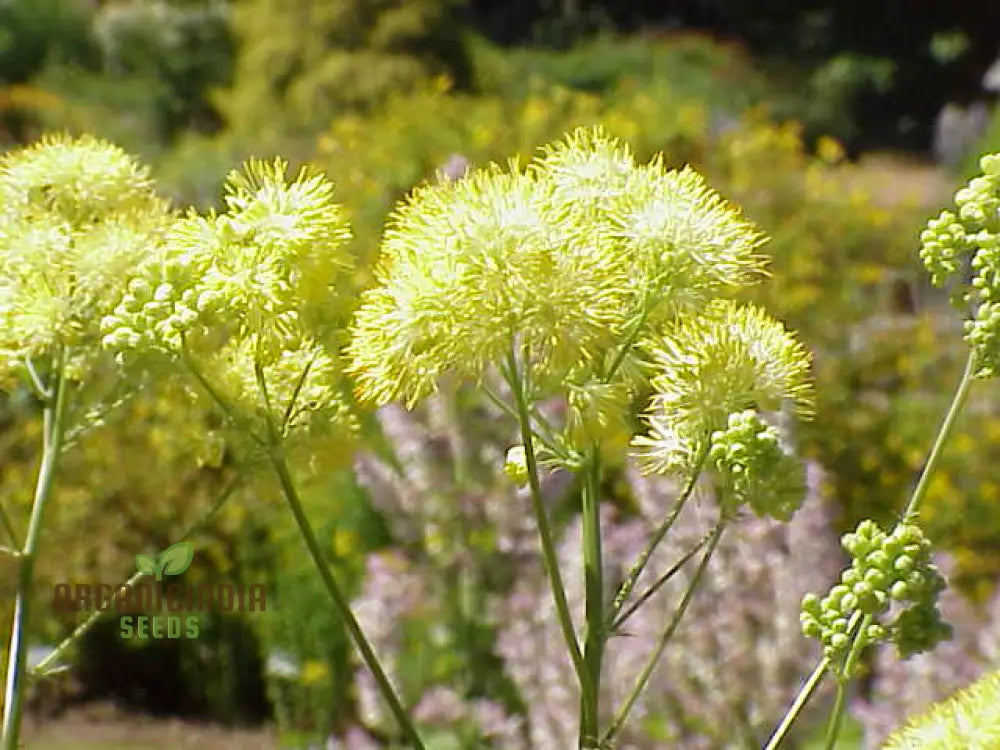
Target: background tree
<point>302,61</point>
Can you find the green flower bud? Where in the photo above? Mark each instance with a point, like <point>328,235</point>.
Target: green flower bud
<point>903,564</point>
<point>839,641</point>
<point>516,466</point>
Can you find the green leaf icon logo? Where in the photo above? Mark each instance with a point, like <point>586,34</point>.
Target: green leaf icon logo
<point>173,561</point>
<point>145,564</point>
<point>176,558</point>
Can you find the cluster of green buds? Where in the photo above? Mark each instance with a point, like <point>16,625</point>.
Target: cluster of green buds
<point>245,302</point>
<point>972,234</point>
<point>885,568</point>
<point>755,467</point>
<point>159,310</point>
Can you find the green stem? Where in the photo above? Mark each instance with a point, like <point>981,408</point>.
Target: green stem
<point>36,380</point>
<point>545,532</point>
<point>640,684</point>
<point>919,493</point>
<point>290,408</point>
<point>276,457</point>
<point>671,572</point>
<point>625,590</point>
<point>630,339</point>
<point>54,419</point>
<point>217,397</point>
<point>8,525</point>
<point>837,716</point>
<point>544,434</point>
<point>957,402</point>
<point>798,704</point>
<point>593,569</point>
<point>42,668</point>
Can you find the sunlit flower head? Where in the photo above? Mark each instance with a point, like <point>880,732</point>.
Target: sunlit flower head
<point>554,261</point>
<point>969,718</point>
<point>245,291</point>
<point>77,216</point>
<point>74,181</point>
<point>724,360</point>
<point>258,270</point>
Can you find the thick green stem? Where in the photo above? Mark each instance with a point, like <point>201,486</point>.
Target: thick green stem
<point>54,418</point>
<point>545,532</point>
<point>593,570</point>
<point>276,457</point>
<point>640,684</point>
<point>957,402</point>
<point>798,704</point>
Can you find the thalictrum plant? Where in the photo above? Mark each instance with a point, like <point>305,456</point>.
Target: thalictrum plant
<point>75,216</point>
<point>582,279</point>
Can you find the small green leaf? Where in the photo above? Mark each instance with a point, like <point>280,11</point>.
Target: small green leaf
<point>145,564</point>
<point>176,558</point>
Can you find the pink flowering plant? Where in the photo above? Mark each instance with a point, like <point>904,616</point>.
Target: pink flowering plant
<point>591,300</point>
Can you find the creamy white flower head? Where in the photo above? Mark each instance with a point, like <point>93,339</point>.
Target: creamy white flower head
<point>257,270</point>
<point>685,241</point>
<point>969,718</point>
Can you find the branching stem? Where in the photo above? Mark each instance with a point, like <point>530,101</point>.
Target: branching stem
<point>640,684</point>
<point>275,454</point>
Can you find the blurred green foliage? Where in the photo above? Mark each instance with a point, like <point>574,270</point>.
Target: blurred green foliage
<point>133,71</point>
<point>302,61</point>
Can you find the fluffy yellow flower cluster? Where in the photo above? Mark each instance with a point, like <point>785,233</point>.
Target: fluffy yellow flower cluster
<point>75,216</point>
<point>557,260</point>
<point>588,269</point>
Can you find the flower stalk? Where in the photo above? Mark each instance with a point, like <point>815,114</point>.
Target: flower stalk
<point>944,433</point>
<point>595,634</point>
<point>647,671</point>
<point>516,380</point>
<point>53,433</point>
<point>276,457</point>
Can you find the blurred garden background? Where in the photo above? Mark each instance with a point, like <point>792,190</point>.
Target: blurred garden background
<point>839,127</point>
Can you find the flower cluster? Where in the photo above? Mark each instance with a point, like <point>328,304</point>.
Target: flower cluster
<point>76,216</point>
<point>557,260</point>
<point>755,467</point>
<point>972,235</point>
<point>709,366</point>
<point>885,568</point>
<point>243,299</point>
